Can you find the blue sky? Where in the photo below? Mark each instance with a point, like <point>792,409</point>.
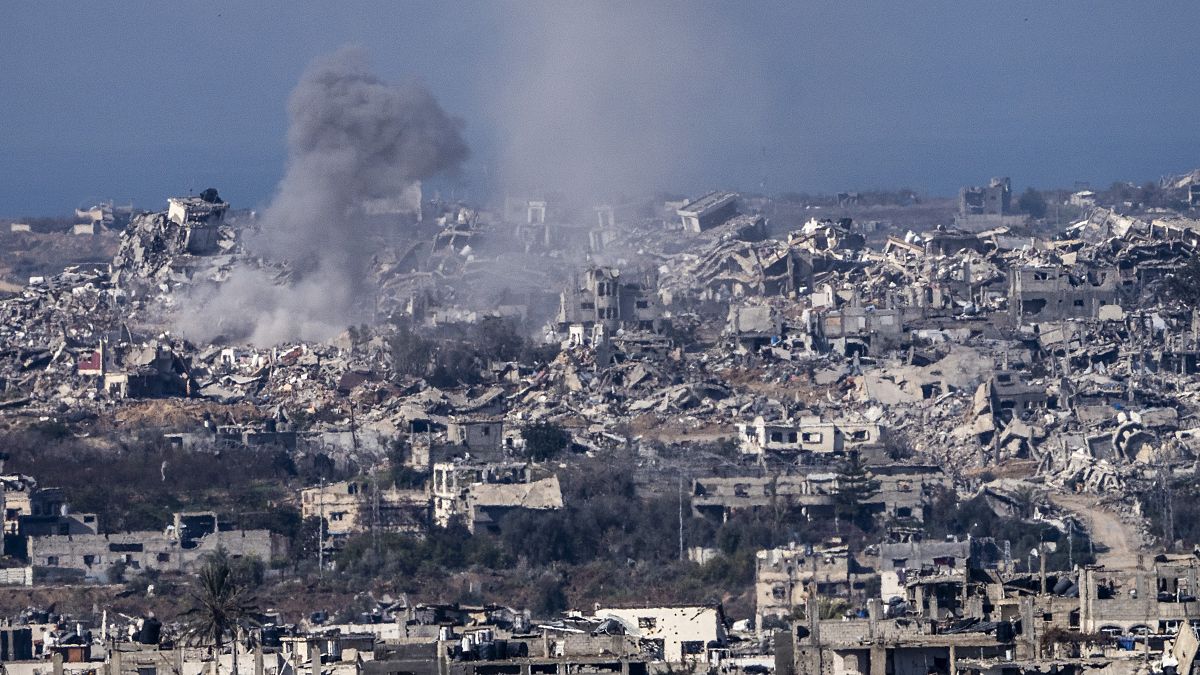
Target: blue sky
<point>140,100</point>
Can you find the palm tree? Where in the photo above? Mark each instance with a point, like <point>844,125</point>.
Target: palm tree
<point>219,605</point>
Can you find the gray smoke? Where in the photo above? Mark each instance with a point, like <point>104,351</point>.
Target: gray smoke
<point>623,97</point>
<point>352,138</point>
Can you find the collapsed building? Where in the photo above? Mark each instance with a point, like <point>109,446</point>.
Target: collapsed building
<point>942,358</point>
<point>903,493</point>
<point>708,211</point>
<point>601,302</point>
<point>184,546</point>
<point>355,507</point>
<point>184,242</point>
<point>811,437</point>
<point>958,615</point>
<point>479,493</point>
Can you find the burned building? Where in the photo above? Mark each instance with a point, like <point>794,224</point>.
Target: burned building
<point>200,217</point>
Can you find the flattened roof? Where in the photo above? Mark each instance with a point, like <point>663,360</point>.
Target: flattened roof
<point>708,202</point>
<point>540,494</point>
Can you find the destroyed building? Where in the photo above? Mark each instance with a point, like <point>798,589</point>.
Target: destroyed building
<point>708,211</point>
<point>677,634</point>
<point>177,244</point>
<point>183,547</point>
<point>958,366</point>
<point>857,330</point>
<point>811,437</point>
<point>994,200</point>
<point>479,493</point>
<point>901,562</point>
<point>904,492</point>
<point>960,616</point>
<point>601,302</point>
<point>30,510</point>
<point>1049,294</point>
<point>753,327</point>
<point>354,507</point>
<point>785,577</point>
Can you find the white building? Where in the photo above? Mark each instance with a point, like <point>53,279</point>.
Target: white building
<point>1083,199</point>
<point>808,434</point>
<point>682,633</point>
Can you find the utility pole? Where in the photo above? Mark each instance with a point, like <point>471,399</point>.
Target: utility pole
<point>681,514</point>
<point>321,534</point>
<point>1168,513</point>
<point>375,512</point>
<point>1070,544</point>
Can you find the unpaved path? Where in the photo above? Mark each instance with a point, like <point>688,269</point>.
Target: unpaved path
<point>1115,540</point>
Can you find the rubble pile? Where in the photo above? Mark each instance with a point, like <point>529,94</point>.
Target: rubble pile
<point>970,350</point>
<point>154,250</point>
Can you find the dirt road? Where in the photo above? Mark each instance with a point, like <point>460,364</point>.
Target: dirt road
<point>1115,541</point>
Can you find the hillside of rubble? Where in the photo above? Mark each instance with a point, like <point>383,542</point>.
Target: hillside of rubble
<point>669,387</point>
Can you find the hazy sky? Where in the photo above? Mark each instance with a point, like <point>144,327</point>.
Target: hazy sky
<point>140,100</point>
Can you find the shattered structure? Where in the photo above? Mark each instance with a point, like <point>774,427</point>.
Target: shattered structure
<point>602,302</point>
<point>184,547</point>
<point>808,372</point>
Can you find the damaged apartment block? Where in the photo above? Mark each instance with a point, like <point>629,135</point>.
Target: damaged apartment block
<point>601,302</point>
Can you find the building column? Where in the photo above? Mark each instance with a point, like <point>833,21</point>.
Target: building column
<point>878,660</point>
<point>314,657</point>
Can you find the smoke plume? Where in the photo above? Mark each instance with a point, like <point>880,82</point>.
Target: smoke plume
<point>623,98</point>
<point>352,138</point>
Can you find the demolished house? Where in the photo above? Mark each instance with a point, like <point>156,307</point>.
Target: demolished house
<point>184,546</point>
<point>477,494</point>
<point>601,302</point>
